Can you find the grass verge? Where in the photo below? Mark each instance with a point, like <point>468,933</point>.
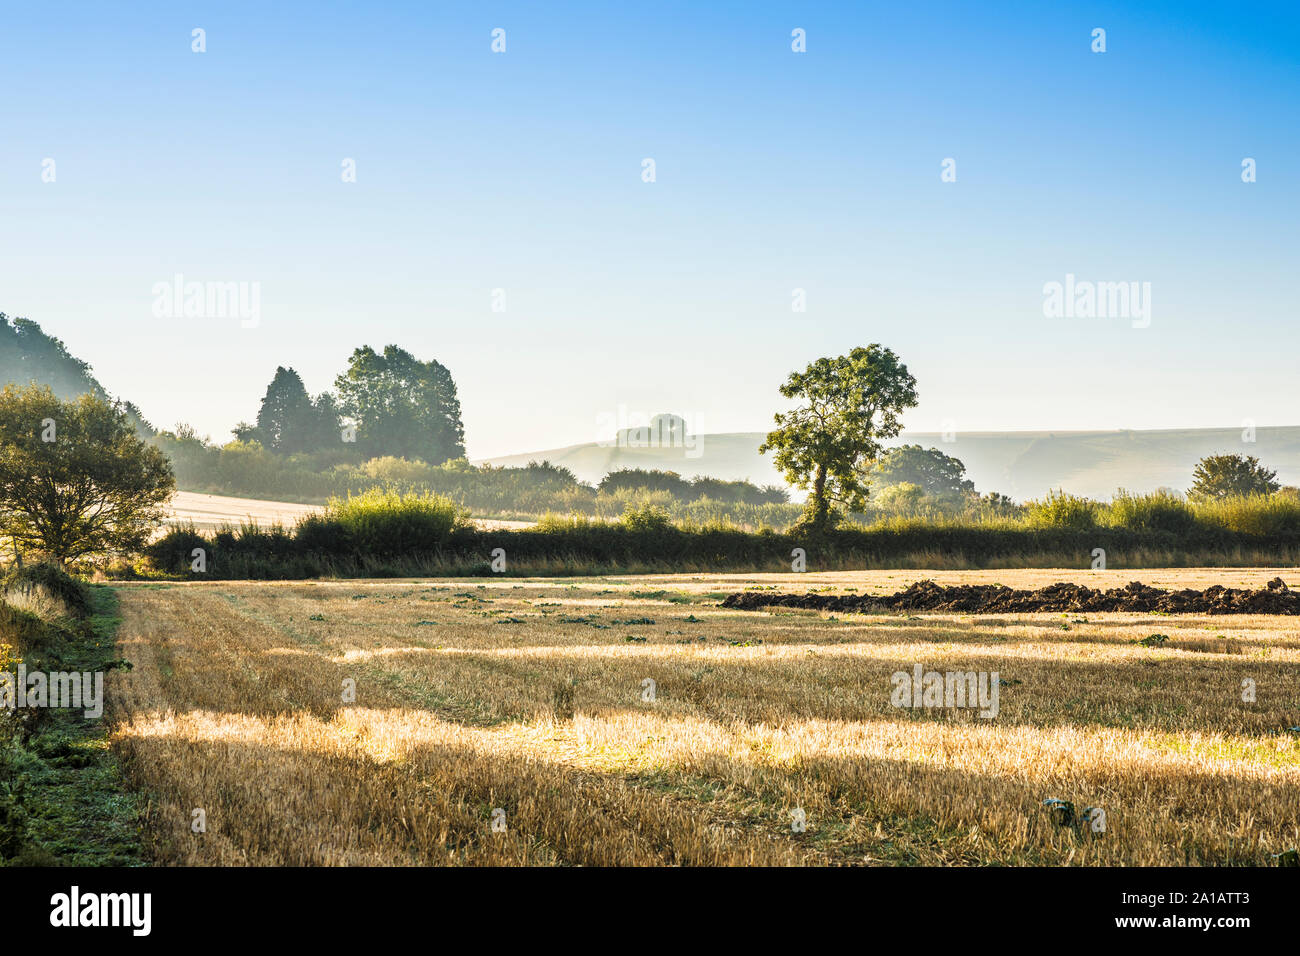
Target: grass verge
<point>63,795</point>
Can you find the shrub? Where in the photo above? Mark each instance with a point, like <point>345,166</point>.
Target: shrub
<point>646,518</point>
<point>903,498</point>
<point>1062,510</point>
<point>638,479</point>
<point>397,471</point>
<point>174,551</point>
<point>273,542</point>
<point>388,522</point>
<point>551,523</point>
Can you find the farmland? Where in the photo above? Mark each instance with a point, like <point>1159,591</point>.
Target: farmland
<point>513,721</point>
<point>213,512</point>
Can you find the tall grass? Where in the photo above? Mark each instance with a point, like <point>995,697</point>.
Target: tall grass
<point>1254,514</point>
<point>1062,510</point>
<point>1159,511</point>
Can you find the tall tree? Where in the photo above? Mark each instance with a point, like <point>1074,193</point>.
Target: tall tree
<point>827,444</point>
<point>286,421</point>
<point>402,406</point>
<point>325,422</point>
<point>75,478</point>
<point>289,421</point>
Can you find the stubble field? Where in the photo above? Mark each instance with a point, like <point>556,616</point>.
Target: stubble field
<point>511,721</point>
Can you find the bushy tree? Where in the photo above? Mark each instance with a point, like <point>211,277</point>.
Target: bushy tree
<point>827,445</point>
<point>936,474</point>
<point>736,492</point>
<point>75,478</point>
<point>193,459</point>
<point>401,406</point>
<point>1225,476</point>
<point>646,479</point>
<point>544,476</point>
<point>324,431</point>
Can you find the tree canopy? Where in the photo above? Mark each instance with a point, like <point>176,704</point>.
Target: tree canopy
<point>936,474</point>
<point>289,421</point>
<point>828,443</point>
<point>75,478</point>
<point>401,406</point>
<point>1225,476</point>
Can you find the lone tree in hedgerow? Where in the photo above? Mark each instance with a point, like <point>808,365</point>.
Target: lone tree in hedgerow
<point>828,444</point>
<point>1229,476</point>
<point>75,478</point>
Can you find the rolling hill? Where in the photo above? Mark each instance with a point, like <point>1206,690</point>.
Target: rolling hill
<point>1020,464</point>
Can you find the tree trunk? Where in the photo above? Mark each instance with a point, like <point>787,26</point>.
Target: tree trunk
<point>817,513</point>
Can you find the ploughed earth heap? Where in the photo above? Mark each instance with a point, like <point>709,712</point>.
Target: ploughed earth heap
<point>1276,598</point>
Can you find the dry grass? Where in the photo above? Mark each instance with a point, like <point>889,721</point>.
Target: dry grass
<point>526,695</point>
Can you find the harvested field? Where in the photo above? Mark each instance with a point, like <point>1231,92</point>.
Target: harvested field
<point>531,697</point>
<point>1274,598</point>
<point>213,512</point>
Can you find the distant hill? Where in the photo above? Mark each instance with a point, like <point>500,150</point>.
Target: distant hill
<point>28,355</point>
<point>1020,464</point>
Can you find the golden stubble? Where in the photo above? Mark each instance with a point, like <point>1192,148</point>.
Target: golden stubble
<point>235,706</point>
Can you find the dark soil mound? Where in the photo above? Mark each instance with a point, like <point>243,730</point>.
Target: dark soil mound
<point>1277,598</point>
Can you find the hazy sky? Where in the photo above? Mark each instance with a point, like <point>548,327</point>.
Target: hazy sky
<point>774,171</point>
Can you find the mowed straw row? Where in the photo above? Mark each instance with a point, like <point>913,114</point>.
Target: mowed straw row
<point>527,696</point>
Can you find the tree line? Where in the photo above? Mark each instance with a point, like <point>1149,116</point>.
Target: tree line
<point>78,479</point>
<point>387,403</point>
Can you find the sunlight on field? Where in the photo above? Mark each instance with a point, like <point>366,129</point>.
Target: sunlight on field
<point>532,696</point>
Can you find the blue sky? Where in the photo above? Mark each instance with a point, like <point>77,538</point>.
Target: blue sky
<point>775,170</point>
